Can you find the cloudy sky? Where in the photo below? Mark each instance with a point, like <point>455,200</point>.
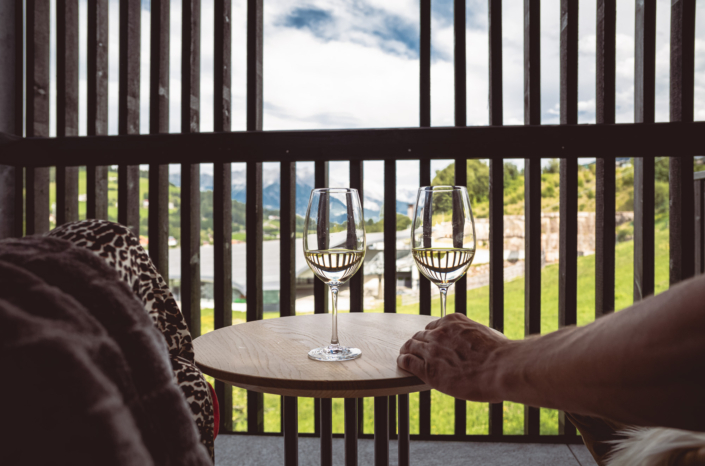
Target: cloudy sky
<point>355,64</point>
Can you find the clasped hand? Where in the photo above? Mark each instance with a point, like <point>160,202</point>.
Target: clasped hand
<point>456,356</point>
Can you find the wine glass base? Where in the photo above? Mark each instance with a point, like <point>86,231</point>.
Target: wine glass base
<point>334,353</point>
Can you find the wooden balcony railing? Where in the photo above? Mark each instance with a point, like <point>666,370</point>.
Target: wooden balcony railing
<point>34,151</point>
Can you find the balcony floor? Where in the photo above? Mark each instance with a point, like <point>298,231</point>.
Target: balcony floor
<point>250,450</point>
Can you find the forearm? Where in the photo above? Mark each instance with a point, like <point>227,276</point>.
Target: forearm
<point>644,365</point>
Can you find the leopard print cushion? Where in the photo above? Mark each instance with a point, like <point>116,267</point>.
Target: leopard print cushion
<point>122,251</point>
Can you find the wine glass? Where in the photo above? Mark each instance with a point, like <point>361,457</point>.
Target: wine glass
<point>334,247</point>
<point>443,235</point>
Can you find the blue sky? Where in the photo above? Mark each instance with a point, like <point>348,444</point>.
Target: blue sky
<point>354,63</point>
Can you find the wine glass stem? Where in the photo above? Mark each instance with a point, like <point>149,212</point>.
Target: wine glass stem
<point>334,292</point>
<point>444,295</point>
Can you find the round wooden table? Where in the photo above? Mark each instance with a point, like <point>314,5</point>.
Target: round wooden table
<point>271,356</point>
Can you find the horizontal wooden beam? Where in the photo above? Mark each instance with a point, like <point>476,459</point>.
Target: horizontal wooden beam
<point>533,142</point>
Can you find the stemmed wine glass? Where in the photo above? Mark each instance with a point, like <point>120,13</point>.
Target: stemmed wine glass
<point>334,247</point>
<point>443,235</point>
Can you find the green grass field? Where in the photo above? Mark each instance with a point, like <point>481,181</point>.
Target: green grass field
<point>442,406</point>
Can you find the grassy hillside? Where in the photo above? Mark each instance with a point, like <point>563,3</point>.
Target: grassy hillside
<point>478,187</point>
<point>442,420</point>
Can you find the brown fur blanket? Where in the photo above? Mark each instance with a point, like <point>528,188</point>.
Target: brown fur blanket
<point>87,378</point>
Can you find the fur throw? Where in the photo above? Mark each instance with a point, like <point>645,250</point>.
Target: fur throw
<point>87,375</point>
<point>658,447</point>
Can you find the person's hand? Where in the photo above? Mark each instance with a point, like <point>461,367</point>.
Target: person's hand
<point>454,355</point>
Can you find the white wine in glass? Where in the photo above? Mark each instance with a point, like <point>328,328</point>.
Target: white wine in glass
<point>443,236</point>
<point>334,247</point>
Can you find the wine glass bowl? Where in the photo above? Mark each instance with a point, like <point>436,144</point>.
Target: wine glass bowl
<point>443,235</point>
<point>334,248</point>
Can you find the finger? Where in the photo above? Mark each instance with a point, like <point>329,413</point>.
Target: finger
<point>421,336</point>
<point>413,364</point>
<point>433,324</point>
<point>414,347</point>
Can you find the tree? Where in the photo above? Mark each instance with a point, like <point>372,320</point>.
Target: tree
<point>554,166</point>
<point>403,222</point>
<point>478,174</point>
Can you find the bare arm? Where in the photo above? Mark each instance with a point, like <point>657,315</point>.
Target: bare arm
<point>644,365</point>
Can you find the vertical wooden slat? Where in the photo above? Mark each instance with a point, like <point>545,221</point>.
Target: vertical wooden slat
<point>390,260</point>
<point>320,290</point>
<point>699,190</point>
<point>97,63</point>
<point>326,432</point>
<point>404,438</point>
<point>605,183</point>
<point>460,98</point>
<point>287,268</point>
<point>425,180</point>
<point>37,112</point>
<point>255,38</point>
<point>425,309</point>
<point>681,224</point>
<point>568,255</point>
<point>459,60</point>
<point>290,429</point>
<point>532,190</point>
<point>496,420</point>
<point>222,214</point>
<point>381,431</point>
<point>425,64</point>
<point>129,111</point>
<point>158,226</point>
<point>351,432</point>
<point>390,236</point>
<point>11,114</point>
<point>357,292</point>
<point>644,108</point>
<point>357,280</point>
<point>190,174</point>
<point>66,105</point>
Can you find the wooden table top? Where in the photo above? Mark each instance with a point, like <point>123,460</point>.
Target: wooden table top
<point>271,356</point>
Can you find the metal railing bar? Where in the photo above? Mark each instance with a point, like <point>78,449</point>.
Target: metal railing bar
<point>190,174</point>
<point>404,438</point>
<point>425,178</point>
<point>681,226</point>
<point>351,431</point>
<point>532,190</point>
<point>97,108</point>
<point>253,209</point>
<point>66,105</point>
<point>222,203</point>
<point>158,221</point>
<point>390,239</point>
<point>699,191</point>
<point>381,435</point>
<point>477,142</point>
<point>460,101</point>
<point>129,110</point>
<point>320,290</point>
<point>644,108</point>
<point>605,169</point>
<point>37,112</point>
<point>568,236</point>
<point>326,432</point>
<point>496,195</point>
<point>357,292</point>
<point>11,114</point>
<point>290,430</point>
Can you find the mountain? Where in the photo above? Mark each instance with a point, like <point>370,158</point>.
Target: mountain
<point>271,196</point>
